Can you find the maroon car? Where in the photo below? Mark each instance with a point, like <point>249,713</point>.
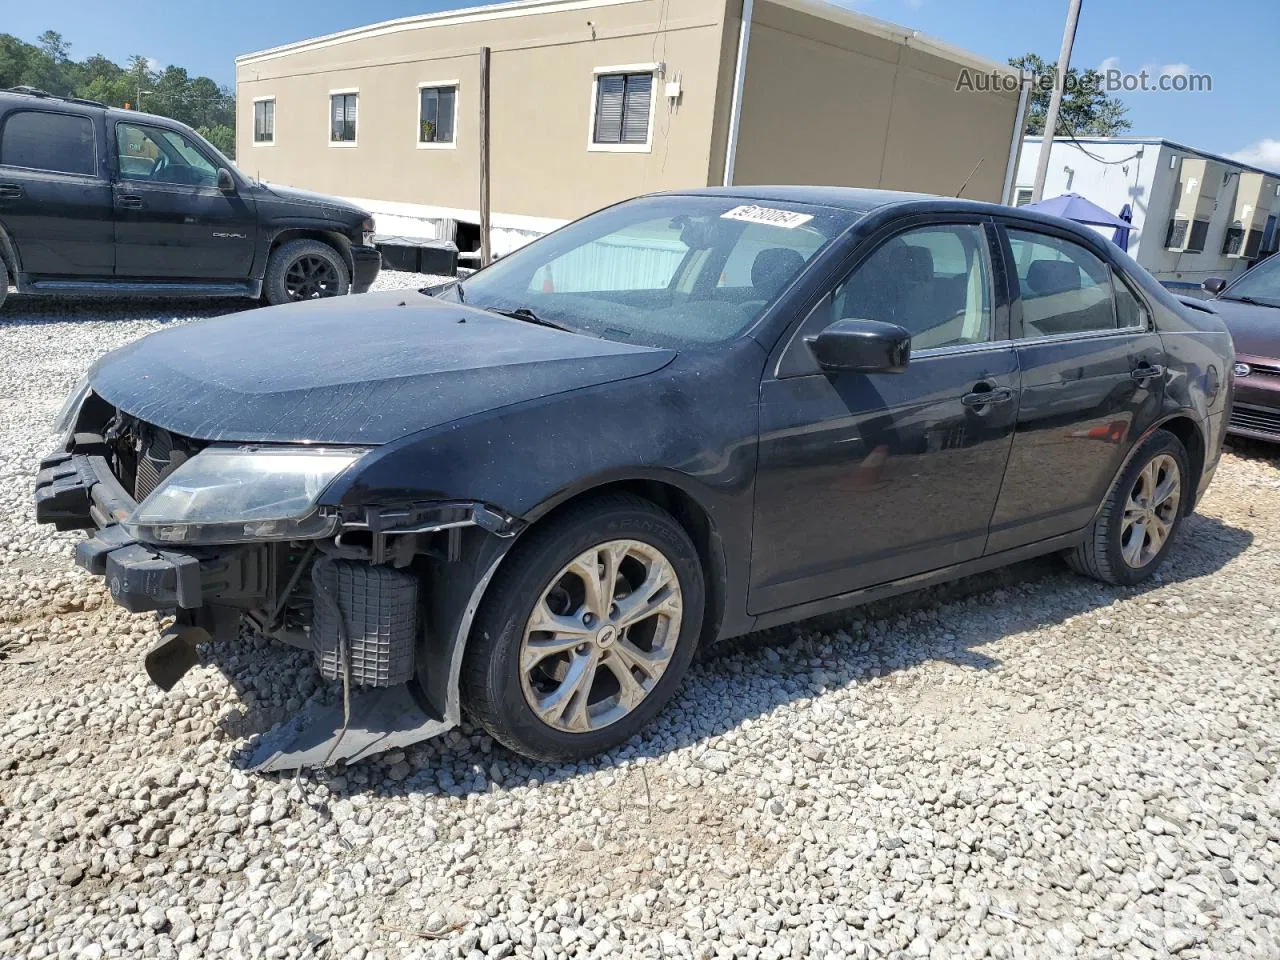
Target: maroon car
<point>1251,309</point>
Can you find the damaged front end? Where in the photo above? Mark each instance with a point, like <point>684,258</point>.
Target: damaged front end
<point>225,535</point>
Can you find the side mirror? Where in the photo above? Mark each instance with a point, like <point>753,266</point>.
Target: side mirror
<point>226,182</point>
<point>861,346</point>
<point>1214,285</point>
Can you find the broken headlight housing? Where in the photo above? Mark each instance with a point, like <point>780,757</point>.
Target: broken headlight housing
<point>241,494</point>
<point>367,231</point>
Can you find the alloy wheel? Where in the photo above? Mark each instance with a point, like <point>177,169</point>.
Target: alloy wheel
<point>311,277</point>
<point>1150,511</point>
<point>600,636</point>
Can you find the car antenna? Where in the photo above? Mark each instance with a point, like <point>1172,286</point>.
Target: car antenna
<point>969,177</point>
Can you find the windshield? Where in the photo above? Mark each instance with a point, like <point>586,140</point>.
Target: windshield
<point>661,271</point>
<point>1262,283</point>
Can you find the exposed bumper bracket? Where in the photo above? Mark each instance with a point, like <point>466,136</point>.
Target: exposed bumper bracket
<point>170,659</point>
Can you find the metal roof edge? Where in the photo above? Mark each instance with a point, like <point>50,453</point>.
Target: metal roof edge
<point>495,11</point>
<point>1165,142</point>
<point>907,36</point>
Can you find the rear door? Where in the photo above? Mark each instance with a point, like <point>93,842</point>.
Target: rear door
<point>172,221</point>
<point>1092,381</point>
<point>867,478</point>
<point>55,200</point>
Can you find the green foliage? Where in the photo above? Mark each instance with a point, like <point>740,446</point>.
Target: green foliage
<point>47,65</point>
<point>1087,110</point>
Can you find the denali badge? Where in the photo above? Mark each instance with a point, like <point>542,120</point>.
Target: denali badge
<point>230,236</point>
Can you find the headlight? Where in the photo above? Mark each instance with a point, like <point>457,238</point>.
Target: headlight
<point>71,409</point>
<point>237,494</point>
<point>367,231</point>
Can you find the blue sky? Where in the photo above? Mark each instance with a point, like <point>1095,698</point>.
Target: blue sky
<point>1238,50</point>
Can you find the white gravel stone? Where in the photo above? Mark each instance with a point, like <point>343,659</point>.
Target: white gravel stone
<point>1024,765</point>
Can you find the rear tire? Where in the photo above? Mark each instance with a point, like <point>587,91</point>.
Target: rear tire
<point>305,270</point>
<point>557,669</point>
<point>4,281</point>
<point>1141,516</point>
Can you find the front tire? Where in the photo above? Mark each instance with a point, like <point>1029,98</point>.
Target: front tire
<point>305,270</point>
<point>586,631</point>
<point>4,281</point>
<point>1141,516</point>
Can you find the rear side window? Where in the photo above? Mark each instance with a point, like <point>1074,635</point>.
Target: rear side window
<point>1065,289</point>
<point>1129,309</point>
<point>57,142</point>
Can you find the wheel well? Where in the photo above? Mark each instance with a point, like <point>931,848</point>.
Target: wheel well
<point>332,239</point>
<point>696,523</point>
<point>1185,429</point>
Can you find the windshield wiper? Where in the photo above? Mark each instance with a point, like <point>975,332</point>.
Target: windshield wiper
<point>1251,300</point>
<point>528,316</point>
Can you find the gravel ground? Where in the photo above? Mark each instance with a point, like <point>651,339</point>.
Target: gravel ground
<point>1026,764</point>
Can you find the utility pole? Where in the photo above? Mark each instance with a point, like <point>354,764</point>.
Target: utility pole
<point>1055,100</point>
<point>486,249</point>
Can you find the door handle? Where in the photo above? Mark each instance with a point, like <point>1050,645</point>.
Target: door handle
<point>1146,371</point>
<point>129,200</point>
<point>10,191</point>
<point>985,393</point>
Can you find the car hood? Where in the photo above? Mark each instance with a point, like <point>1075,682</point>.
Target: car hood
<point>365,369</point>
<point>1255,330</point>
<point>334,208</point>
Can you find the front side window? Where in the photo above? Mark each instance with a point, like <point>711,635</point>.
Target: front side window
<point>56,142</point>
<point>343,108</point>
<point>663,271</point>
<point>1064,288</point>
<point>934,282</point>
<point>437,114</point>
<point>162,156</point>
<point>622,109</point>
<point>264,121</point>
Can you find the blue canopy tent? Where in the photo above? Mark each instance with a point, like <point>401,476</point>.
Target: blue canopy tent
<point>1072,206</point>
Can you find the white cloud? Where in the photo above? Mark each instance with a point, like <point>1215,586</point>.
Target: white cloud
<point>1111,63</point>
<point>1265,153</point>
<point>154,65</point>
<point>1173,70</point>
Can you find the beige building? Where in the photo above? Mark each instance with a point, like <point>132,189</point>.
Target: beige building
<point>594,101</point>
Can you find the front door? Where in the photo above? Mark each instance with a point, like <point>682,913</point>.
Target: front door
<point>1092,381</point>
<point>867,478</point>
<point>55,199</point>
<point>172,221</point>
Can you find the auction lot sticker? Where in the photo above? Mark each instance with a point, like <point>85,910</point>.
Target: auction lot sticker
<point>769,216</point>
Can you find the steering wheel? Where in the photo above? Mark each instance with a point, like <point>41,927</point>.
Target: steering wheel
<point>161,163</point>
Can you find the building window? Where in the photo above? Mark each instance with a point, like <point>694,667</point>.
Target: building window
<point>264,120</point>
<point>1023,196</point>
<point>343,106</point>
<point>437,114</point>
<point>622,110</point>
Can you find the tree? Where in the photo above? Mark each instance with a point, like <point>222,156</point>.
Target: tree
<point>47,65</point>
<point>1087,109</point>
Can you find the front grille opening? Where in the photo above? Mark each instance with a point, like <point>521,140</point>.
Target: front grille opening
<point>144,454</point>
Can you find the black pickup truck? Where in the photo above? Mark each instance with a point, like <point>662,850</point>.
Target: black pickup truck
<point>107,202</point>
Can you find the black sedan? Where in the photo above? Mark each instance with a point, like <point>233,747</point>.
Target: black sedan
<point>682,418</point>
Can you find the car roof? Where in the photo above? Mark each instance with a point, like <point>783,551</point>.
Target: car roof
<point>864,200</point>
<point>79,103</point>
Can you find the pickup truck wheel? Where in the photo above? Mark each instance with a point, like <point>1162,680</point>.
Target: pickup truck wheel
<point>1139,519</point>
<point>305,270</point>
<point>4,282</point>
<point>586,631</point>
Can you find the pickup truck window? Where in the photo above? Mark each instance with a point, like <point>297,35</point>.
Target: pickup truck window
<point>57,142</point>
<point>162,156</point>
